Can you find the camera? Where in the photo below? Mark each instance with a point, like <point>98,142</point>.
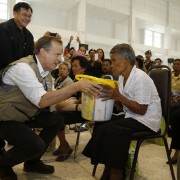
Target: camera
<point>53,34</point>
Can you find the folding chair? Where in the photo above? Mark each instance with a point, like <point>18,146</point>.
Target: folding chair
<point>78,135</point>
<point>161,75</point>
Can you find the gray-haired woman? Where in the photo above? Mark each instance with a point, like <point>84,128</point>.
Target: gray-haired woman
<point>64,79</point>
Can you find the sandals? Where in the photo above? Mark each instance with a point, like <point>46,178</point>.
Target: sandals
<point>56,152</point>
<point>80,128</point>
<point>62,157</point>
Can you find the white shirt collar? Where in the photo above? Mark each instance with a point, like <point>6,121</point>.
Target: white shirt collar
<point>41,70</point>
<point>133,71</point>
<point>121,78</point>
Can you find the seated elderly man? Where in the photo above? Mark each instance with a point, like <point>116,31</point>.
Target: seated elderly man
<point>138,95</point>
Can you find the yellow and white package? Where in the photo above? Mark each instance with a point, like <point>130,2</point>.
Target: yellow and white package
<point>94,108</point>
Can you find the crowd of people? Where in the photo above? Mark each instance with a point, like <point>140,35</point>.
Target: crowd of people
<point>34,77</point>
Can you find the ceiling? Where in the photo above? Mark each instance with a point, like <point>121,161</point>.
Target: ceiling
<point>92,10</point>
<point>56,4</point>
<point>150,26</point>
<point>100,13</point>
<point>105,14</point>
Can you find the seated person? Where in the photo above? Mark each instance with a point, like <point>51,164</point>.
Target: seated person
<point>140,63</point>
<point>175,111</point>
<point>107,70</point>
<point>106,67</point>
<point>79,66</point>
<point>157,61</point>
<point>137,93</point>
<point>68,56</point>
<point>92,53</point>
<point>63,79</point>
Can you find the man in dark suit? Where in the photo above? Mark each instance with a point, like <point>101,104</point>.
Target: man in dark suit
<point>16,40</point>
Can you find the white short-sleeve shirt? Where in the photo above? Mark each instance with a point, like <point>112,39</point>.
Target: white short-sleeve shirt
<point>141,88</point>
<point>23,76</point>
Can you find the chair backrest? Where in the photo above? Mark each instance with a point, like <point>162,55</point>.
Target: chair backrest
<point>161,75</point>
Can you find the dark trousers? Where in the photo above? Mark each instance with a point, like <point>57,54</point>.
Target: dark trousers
<point>175,125</point>
<point>72,117</point>
<point>110,141</point>
<point>27,145</point>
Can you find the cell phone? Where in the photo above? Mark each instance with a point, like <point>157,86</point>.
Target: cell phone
<point>79,53</point>
<point>96,56</point>
<point>53,34</point>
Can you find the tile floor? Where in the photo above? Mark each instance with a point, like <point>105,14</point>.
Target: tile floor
<point>152,163</point>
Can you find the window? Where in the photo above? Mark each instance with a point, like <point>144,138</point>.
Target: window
<point>148,38</point>
<point>3,9</point>
<point>157,40</point>
<point>152,38</point>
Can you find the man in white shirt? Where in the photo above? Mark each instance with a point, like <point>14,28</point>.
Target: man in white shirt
<point>25,95</point>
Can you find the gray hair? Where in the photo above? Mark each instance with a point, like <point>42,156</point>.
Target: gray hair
<point>124,51</point>
<point>67,64</point>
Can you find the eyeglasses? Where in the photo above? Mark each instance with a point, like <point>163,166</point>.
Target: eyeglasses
<point>26,15</point>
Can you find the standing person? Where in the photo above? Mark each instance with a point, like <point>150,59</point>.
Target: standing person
<point>97,67</point>
<point>92,53</point>
<point>71,50</point>
<point>138,95</point>
<point>100,53</point>
<point>148,62</point>
<point>16,40</point>
<point>24,98</point>
<point>67,48</point>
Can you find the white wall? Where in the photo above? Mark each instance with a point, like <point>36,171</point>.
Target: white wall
<point>153,11</point>
<point>53,18</point>
<point>93,26</point>
<point>121,32</point>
